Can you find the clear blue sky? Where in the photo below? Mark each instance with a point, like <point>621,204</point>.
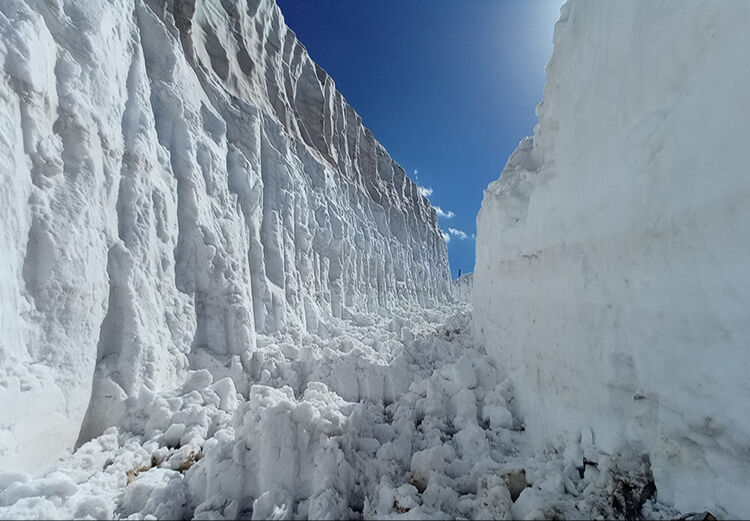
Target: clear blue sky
<point>449,87</point>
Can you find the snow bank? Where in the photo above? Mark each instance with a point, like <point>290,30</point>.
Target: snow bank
<point>177,177</point>
<point>612,256</point>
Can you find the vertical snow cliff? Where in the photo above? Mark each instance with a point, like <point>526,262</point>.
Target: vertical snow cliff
<point>613,254</point>
<point>177,176</point>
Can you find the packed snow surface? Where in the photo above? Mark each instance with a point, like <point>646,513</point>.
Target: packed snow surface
<point>612,278</point>
<point>177,177</point>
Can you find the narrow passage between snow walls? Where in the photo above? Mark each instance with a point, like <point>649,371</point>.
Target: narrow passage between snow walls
<point>222,292</point>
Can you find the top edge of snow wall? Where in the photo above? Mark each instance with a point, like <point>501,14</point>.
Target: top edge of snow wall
<point>612,275</point>
<point>176,177</point>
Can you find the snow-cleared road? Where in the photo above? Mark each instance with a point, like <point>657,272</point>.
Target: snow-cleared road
<point>394,418</point>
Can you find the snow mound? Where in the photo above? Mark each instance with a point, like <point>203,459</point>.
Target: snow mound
<point>426,432</point>
<point>611,277</point>
<point>178,177</point>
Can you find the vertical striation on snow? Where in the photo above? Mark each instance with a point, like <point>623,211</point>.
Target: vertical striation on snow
<point>612,278</point>
<point>177,176</point>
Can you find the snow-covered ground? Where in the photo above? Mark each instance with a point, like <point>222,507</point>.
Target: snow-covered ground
<point>403,418</point>
<point>612,277</point>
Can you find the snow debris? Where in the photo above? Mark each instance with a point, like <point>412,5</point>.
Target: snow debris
<point>356,424</point>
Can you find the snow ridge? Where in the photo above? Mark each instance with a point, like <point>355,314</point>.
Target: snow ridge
<point>179,177</point>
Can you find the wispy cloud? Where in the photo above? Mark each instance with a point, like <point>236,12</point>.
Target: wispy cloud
<point>442,213</point>
<point>458,233</point>
<point>446,237</point>
<point>426,191</point>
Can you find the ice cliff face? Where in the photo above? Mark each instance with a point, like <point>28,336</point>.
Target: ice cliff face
<point>177,176</point>
<point>612,255</point>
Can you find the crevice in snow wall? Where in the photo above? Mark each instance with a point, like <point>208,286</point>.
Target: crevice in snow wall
<point>177,177</point>
<point>612,276</point>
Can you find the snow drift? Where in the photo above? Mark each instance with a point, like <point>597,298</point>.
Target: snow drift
<point>612,275</point>
<point>177,177</point>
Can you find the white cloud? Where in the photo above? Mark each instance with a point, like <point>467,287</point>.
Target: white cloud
<point>458,233</point>
<point>443,213</point>
<point>446,237</point>
<point>426,191</point>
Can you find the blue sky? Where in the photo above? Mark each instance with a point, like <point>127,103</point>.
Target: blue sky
<point>448,87</point>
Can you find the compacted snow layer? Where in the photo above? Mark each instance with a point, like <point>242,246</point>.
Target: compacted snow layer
<point>178,176</point>
<point>403,418</point>
<point>612,276</point>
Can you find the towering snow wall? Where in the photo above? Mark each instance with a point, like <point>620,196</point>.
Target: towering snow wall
<point>613,254</point>
<point>177,176</point>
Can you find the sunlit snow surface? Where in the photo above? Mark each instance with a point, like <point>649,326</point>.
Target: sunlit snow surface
<point>402,419</point>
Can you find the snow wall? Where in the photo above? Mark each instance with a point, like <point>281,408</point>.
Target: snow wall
<point>462,287</point>
<point>613,254</point>
<point>176,176</point>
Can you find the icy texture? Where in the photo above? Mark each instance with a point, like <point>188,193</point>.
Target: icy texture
<point>177,177</point>
<point>612,275</point>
